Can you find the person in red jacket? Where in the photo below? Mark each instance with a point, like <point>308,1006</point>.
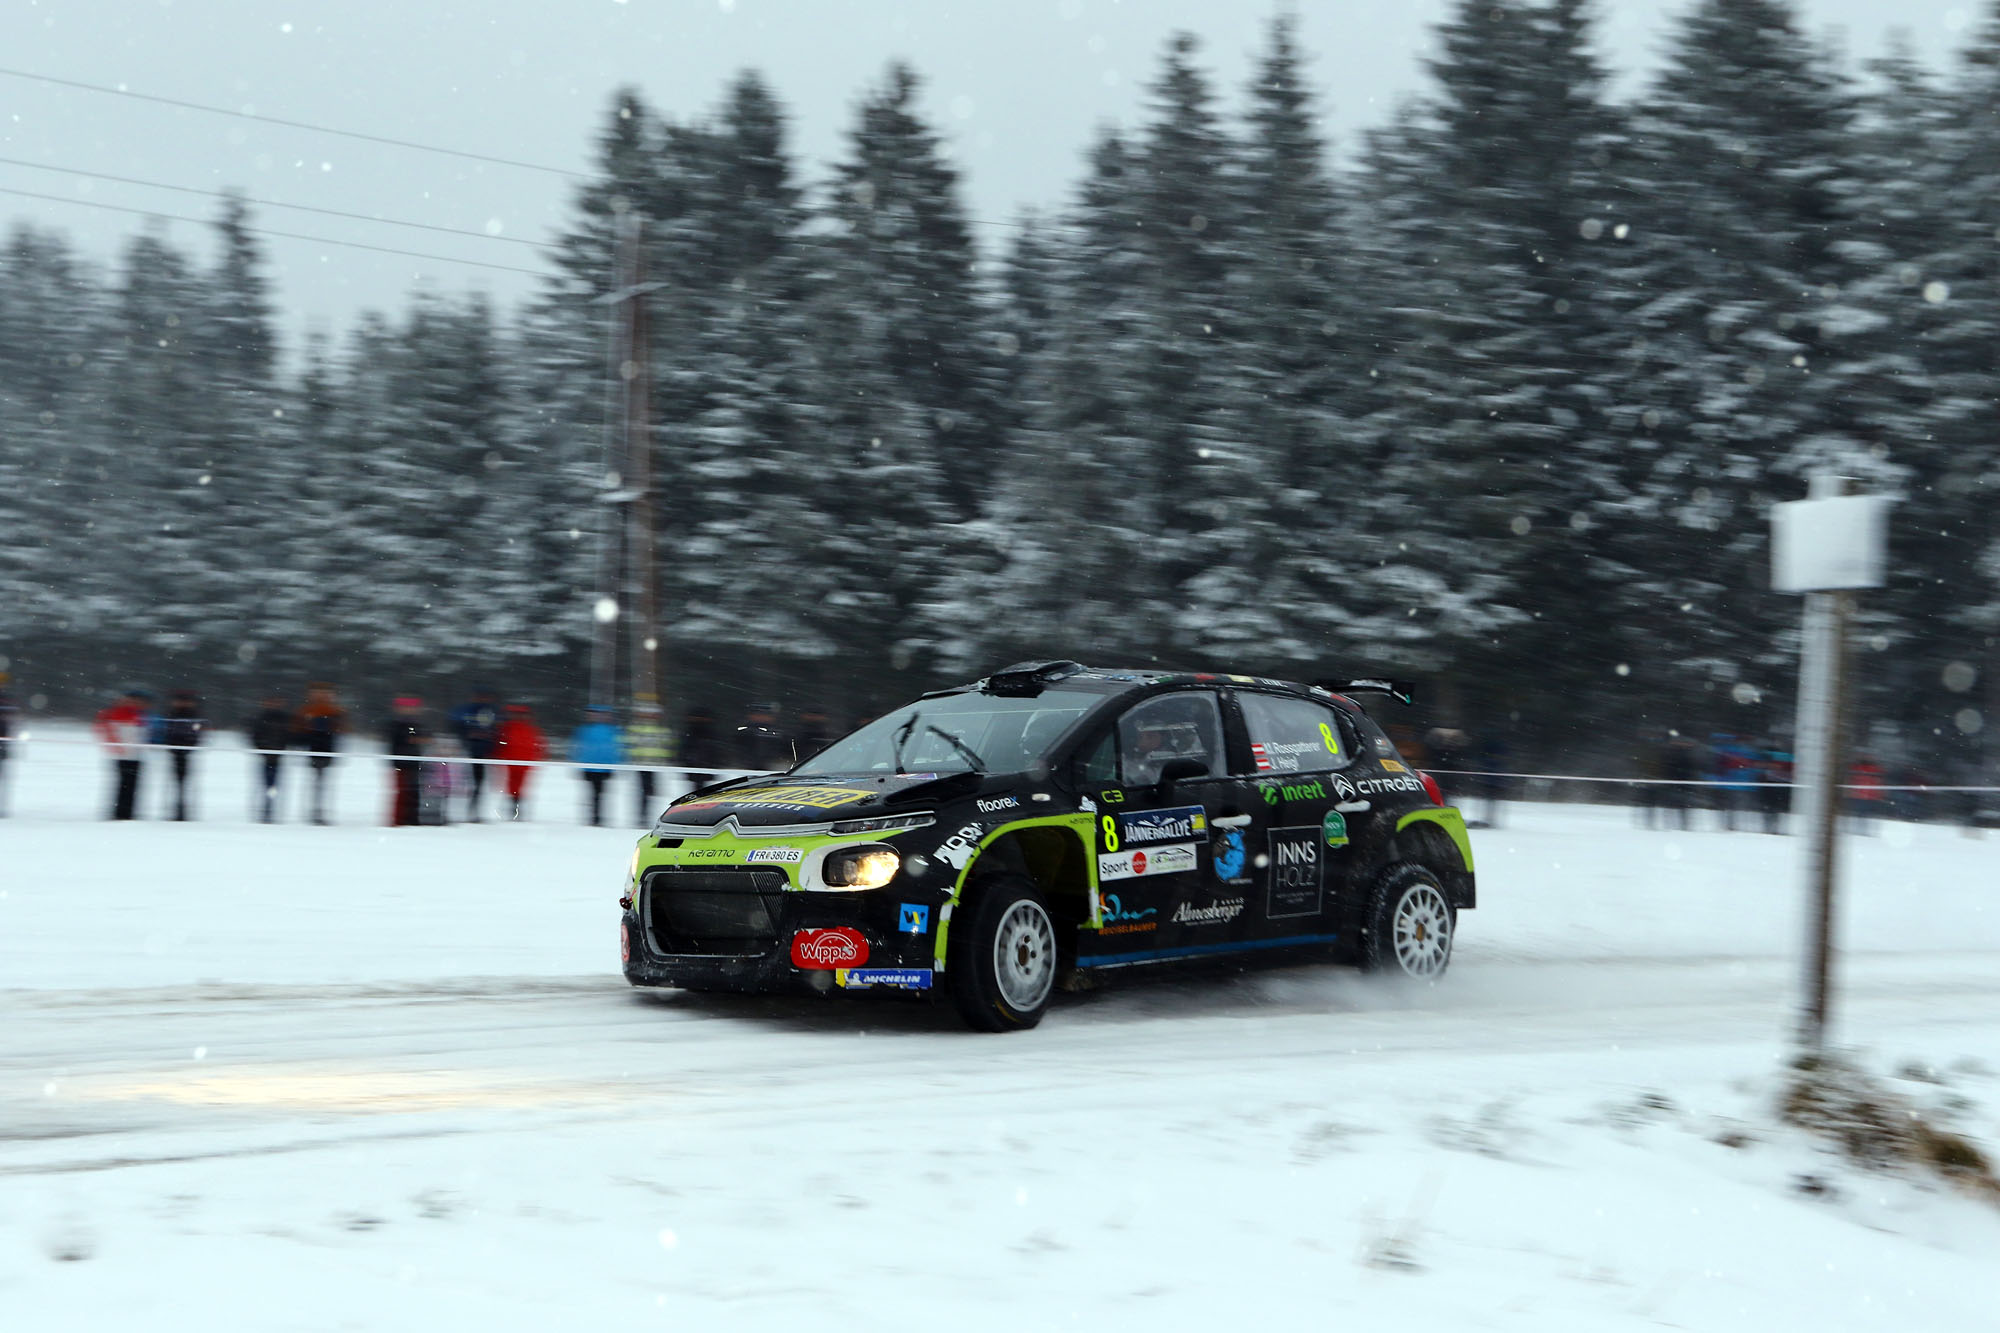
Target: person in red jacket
<point>122,727</point>
<point>1865,794</point>
<point>519,738</point>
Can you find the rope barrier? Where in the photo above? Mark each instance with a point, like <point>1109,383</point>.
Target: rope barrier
<point>1732,784</point>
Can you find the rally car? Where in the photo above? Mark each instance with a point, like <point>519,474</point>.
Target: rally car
<point>1051,820</point>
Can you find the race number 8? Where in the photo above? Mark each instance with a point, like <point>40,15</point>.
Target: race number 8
<point>1110,834</point>
<point>1326,734</point>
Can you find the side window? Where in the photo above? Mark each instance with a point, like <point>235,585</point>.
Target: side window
<point>1294,735</point>
<point>1172,726</point>
<point>1099,765</point>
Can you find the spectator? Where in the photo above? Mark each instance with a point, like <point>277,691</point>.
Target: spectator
<point>1864,794</point>
<point>596,743</point>
<point>270,736</point>
<point>1495,760</point>
<point>321,723</point>
<point>180,731</point>
<point>815,733</point>
<point>122,727</point>
<point>406,736</point>
<point>759,743</point>
<point>648,745</point>
<point>519,739</point>
<point>477,724</point>
<point>440,778</point>
<point>1735,771</point>
<point>1774,791</point>
<point>1678,765</point>
<point>701,746</point>
<point>7,712</point>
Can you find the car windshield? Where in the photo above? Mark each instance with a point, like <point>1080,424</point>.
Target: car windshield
<point>956,734</point>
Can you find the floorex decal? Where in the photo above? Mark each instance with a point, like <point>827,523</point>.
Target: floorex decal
<point>1297,872</point>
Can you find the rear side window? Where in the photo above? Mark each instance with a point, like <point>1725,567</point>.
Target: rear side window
<point>1294,735</point>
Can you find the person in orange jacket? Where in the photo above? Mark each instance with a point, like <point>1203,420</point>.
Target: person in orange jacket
<point>123,727</point>
<point>519,738</point>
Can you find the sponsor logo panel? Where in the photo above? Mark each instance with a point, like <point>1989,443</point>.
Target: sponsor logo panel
<point>1297,868</point>
<point>830,948</point>
<point>1118,919</point>
<point>1231,860</point>
<point>993,805</point>
<point>900,978</point>
<point>1177,824</point>
<point>959,847</point>
<point>913,918</point>
<point>1151,861</point>
<point>1335,828</point>
<point>785,798</point>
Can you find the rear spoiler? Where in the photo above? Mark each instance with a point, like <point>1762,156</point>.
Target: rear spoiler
<point>1398,690</point>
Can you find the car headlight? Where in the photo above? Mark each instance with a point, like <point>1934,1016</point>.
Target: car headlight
<point>867,866</point>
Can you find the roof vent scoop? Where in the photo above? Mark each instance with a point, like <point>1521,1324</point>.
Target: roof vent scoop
<point>1025,680</point>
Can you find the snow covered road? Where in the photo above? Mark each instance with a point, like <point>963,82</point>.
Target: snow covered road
<point>360,1078</point>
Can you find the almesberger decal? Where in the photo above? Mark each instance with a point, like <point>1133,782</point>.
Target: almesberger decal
<point>1215,914</point>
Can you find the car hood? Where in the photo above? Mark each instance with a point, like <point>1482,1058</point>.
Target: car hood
<point>782,799</point>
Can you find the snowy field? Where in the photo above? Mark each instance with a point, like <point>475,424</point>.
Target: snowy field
<point>355,1077</point>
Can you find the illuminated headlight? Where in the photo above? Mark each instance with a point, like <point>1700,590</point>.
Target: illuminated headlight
<point>868,866</point>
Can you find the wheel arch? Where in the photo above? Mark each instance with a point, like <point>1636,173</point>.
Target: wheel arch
<point>1435,838</point>
<point>1053,852</point>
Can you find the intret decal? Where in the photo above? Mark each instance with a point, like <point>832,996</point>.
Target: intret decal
<point>913,918</point>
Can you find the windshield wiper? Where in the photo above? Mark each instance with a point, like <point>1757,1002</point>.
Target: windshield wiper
<point>978,764</point>
<point>902,738</point>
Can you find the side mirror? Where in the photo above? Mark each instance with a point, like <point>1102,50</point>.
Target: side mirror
<point>1180,770</point>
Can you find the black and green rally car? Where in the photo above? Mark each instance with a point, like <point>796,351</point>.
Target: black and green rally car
<point>1053,819</point>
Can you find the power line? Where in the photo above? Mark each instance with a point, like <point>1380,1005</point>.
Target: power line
<point>345,134</point>
<point>286,235</point>
<point>269,203</point>
<point>290,124</point>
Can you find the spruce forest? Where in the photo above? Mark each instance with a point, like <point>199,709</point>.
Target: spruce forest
<point>1497,400</point>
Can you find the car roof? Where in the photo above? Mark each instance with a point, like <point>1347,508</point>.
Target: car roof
<point>1123,680</point>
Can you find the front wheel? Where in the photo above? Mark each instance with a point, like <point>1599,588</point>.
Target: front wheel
<point>1410,928</point>
<point>1003,958</point>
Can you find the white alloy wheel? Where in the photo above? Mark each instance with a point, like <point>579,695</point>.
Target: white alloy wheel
<point>1421,927</point>
<point>1024,956</point>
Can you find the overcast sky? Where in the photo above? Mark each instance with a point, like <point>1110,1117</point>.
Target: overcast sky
<point>1017,86</point>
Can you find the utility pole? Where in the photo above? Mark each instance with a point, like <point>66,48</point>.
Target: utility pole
<point>611,529</point>
<point>641,550</point>
<point>1824,546</point>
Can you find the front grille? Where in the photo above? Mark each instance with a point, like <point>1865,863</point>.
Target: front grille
<point>716,912</point>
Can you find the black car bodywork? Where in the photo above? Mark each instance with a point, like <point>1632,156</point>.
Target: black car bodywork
<point>1139,816</point>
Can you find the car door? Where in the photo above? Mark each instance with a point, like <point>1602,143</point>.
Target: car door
<point>1295,760</point>
<point>1156,889</point>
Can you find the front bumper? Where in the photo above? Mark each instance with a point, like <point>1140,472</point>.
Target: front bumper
<point>731,929</point>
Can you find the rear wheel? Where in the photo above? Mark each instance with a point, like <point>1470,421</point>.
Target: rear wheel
<point>1003,956</point>
<point>1411,926</point>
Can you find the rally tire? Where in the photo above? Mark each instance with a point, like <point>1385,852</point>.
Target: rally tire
<point>1411,926</point>
<point>1003,955</point>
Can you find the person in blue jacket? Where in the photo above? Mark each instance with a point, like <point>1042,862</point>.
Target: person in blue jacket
<point>596,742</point>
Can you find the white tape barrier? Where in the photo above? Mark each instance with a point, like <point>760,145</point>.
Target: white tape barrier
<point>1733,784</point>
<point>27,739</point>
